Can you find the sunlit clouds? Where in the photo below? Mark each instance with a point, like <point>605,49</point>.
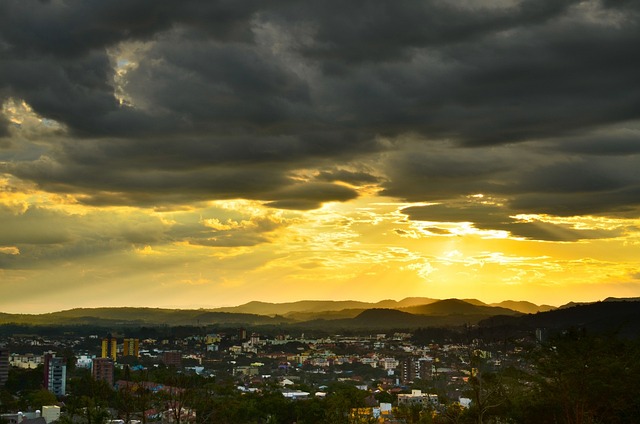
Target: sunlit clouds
<point>201,154</point>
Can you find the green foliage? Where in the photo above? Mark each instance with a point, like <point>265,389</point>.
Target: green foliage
<point>21,380</point>
<point>8,402</point>
<point>586,379</point>
<point>414,414</point>
<point>38,398</point>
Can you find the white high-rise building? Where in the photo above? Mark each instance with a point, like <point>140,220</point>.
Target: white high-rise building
<point>55,375</point>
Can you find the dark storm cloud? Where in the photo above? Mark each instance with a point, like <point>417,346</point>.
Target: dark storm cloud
<point>54,54</point>
<point>311,195</point>
<point>490,217</point>
<point>112,185</point>
<point>346,176</point>
<point>228,99</point>
<point>44,237</point>
<point>523,179</point>
<point>73,27</point>
<point>4,130</point>
<point>621,203</point>
<point>580,176</point>
<point>443,171</point>
<point>217,86</point>
<point>624,142</point>
<point>384,30</point>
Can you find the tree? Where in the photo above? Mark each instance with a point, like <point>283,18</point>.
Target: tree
<point>38,398</point>
<point>414,413</point>
<point>126,401</point>
<point>342,398</point>
<point>88,400</point>
<point>585,379</point>
<point>7,401</point>
<point>486,389</point>
<point>453,414</point>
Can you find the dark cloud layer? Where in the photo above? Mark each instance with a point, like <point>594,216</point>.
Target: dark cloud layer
<point>491,217</point>
<point>163,102</point>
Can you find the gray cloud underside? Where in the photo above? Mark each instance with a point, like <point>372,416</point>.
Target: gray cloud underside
<point>535,101</point>
<point>490,217</point>
<point>44,237</point>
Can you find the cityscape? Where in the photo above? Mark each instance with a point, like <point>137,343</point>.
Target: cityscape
<point>492,369</point>
<point>319,212</point>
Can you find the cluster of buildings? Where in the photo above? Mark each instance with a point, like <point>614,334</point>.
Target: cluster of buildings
<point>391,363</point>
<point>55,367</point>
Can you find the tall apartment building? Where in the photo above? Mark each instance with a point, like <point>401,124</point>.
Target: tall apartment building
<point>109,347</point>
<point>55,374</point>
<point>103,370</point>
<point>131,347</point>
<point>4,365</point>
<point>412,368</point>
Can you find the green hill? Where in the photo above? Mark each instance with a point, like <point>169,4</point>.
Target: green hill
<point>138,316</point>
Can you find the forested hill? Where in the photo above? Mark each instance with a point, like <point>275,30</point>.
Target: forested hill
<point>612,315</point>
<point>139,316</point>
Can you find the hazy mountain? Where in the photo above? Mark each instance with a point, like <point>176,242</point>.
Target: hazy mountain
<point>323,306</point>
<point>519,306</point>
<point>450,312</point>
<point>458,307</point>
<point>404,303</point>
<point>411,312</point>
<point>138,316</point>
<point>523,306</point>
<point>266,308</point>
<point>572,304</point>
<point>351,313</point>
<point>622,299</point>
<point>475,302</point>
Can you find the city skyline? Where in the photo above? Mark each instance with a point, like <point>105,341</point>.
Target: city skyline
<point>206,154</point>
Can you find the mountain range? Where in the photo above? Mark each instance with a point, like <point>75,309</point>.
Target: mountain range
<point>410,312</point>
<point>349,308</point>
<point>415,310</point>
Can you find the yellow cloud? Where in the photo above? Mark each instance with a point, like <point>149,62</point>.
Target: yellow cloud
<point>9,250</point>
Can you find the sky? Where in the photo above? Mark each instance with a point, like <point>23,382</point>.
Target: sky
<point>205,153</point>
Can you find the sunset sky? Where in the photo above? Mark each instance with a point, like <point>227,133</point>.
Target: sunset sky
<point>208,153</point>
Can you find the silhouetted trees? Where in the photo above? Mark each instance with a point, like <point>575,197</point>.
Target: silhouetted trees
<point>584,379</point>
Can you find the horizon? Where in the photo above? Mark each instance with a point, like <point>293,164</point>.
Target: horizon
<point>304,300</point>
<point>198,153</point>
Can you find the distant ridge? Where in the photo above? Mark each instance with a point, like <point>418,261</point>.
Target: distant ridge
<point>622,299</point>
<point>390,317</point>
<point>524,306</point>
<point>442,313</point>
<point>458,307</point>
<point>307,308</point>
<point>266,308</point>
<point>138,316</point>
<point>409,312</point>
<point>612,314</point>
<point>620,316</point>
